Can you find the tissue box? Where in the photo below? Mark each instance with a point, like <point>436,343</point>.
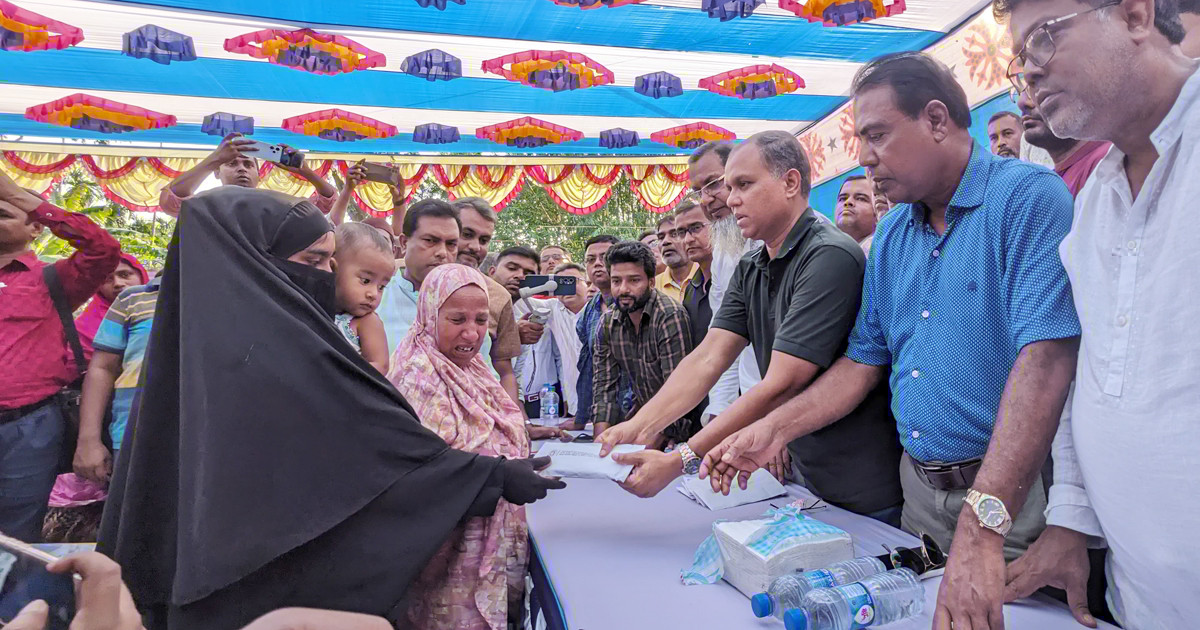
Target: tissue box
<point>756,552</point>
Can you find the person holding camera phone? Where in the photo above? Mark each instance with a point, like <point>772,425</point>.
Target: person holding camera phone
<point>361,172</point>
<point>233,166</point>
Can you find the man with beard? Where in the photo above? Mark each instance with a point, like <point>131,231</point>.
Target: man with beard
<point>856,210</point>
<point>1004,133</point>
<point>1189,14</point>
<point>1125,455</point>
<point>232,167</point>
<point>966,316</point>
<point>503,343</point>
<point>644,339</point>
<point>706,172</point>
<point>1074,160</point>
<point>672,281</point>
<point>793,301</point>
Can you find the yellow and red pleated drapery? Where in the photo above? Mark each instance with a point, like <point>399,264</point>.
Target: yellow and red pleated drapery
<point>135,182</point>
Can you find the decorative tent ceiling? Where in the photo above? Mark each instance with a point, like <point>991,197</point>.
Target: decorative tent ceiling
<point>363,76</point>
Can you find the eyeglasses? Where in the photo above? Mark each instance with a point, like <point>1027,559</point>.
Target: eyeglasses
<point>1039,48</point>
<point>711,188</point>
<point>695,229</point>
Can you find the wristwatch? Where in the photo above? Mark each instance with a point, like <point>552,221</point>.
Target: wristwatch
<point>990,511</point>
<point>691,463</point>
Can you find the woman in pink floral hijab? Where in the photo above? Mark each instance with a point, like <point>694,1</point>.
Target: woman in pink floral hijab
<point>477,578</point>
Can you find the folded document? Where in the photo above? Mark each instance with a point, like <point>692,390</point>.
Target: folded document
<point>761,485</point>
<point>582,460</point>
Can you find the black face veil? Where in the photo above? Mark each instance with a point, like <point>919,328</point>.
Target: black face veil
<point>266,463</point>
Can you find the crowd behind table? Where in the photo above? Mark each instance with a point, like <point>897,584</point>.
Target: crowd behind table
<point>978,348</point>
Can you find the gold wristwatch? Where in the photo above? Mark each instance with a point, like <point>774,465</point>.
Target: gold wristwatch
<point>691,462</point>
<point>990,511</point>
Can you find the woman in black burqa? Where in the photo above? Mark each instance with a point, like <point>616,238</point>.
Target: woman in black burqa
<point>267,463</point>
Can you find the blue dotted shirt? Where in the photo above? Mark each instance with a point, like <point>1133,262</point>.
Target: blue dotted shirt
<point>950,313</point>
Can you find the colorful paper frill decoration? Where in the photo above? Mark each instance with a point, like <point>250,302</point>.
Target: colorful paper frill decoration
<point>754,82</point>
<point>222,124</point>
<point>595,4</point>
<point>440,5</point>
<point>433,133</point>
<point>306,49</point>
<point>527,132</point>
<point>843,12</point>
<point>339,125</point>
<point>158,44</point>
<point>433,65</point>
<point>726,10</point>
<point>82,111</point>
<point>618,138</point>
<point>555,70</point>
<point>658,85</point>
<point>692,136</point>
<point>24,30</point>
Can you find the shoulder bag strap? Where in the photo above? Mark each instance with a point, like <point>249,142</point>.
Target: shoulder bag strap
<point>50,275</point>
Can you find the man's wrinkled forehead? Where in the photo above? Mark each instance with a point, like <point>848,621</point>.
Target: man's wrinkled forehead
<point>705,169</point>
<point>1030,14</point>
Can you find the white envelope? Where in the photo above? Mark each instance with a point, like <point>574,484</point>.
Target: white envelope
<point>761,485</point>
<point>582,460</point>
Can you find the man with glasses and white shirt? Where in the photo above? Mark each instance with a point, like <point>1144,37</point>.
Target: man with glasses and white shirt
<point>1125,457</point>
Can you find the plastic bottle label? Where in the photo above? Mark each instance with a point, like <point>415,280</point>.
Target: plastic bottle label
<point>862,608</point>
<point>820,578</point>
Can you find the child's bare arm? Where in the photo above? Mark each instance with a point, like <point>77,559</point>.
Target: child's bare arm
<point>373,341</point>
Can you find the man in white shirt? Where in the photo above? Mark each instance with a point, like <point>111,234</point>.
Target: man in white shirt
<point>706,172</point>
<point>564,315</point>
<point>1125,457</point>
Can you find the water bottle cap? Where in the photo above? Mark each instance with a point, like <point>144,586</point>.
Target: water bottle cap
<point>795,619</point>
<point>762,605</point>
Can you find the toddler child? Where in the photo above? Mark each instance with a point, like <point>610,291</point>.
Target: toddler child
<point>364,265</point>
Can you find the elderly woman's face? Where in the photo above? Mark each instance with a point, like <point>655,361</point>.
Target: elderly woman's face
<point>462,324</point>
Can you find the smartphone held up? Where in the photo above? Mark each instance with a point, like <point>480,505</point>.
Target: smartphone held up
<point>24,579</point>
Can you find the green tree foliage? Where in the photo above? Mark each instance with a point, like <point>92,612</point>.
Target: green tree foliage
<point>534,220</point>
<point>142,235</point>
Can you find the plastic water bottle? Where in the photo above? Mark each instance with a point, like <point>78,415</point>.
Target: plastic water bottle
<point>549,400</point>
<point>870,602</point>
<point>788,591</point>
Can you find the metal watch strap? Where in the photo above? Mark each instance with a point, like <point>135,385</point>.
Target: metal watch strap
<point>690,460</point>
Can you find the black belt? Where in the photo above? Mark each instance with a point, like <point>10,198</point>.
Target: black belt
<point>12,415</point>
<point>948,476</point>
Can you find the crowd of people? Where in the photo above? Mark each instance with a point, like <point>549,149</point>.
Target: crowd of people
<point>976,347</point>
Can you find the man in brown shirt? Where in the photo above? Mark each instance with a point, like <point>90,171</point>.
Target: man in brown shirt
<point>478,226</point>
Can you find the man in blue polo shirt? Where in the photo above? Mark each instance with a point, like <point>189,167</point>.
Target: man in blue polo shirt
<point>967,311</point>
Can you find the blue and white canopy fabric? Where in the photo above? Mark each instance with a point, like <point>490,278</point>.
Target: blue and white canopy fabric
<point>379,90</point>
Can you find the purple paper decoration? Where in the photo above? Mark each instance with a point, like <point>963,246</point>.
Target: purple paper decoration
<point>729,9</point>
<point>316,61</point>
<point>340,135</point>
<point>433,133</point>
<point>10,40</point>
<point>762,89</point>
<point>527,142</point>
<point>694,143</point>
<point>433,65</point>
<point>849,12</point>
<point>440,5</point>
<point>658,85</point>
<point>222,124</point>
<point>97,124</point>
<point>158,44</point>
<point>617,138</point>
<point>558,78</point>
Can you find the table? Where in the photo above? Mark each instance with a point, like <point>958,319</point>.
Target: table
<point>609,560</point>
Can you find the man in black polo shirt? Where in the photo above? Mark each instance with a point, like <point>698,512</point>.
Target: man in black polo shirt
<point>794,301</point>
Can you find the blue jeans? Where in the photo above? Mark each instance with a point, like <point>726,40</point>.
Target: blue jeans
<point>891,515</point>
<point>29,456</point>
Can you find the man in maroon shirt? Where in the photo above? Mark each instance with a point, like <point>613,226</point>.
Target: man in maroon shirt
<point>35,363</point>
<point>1073,159</point>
